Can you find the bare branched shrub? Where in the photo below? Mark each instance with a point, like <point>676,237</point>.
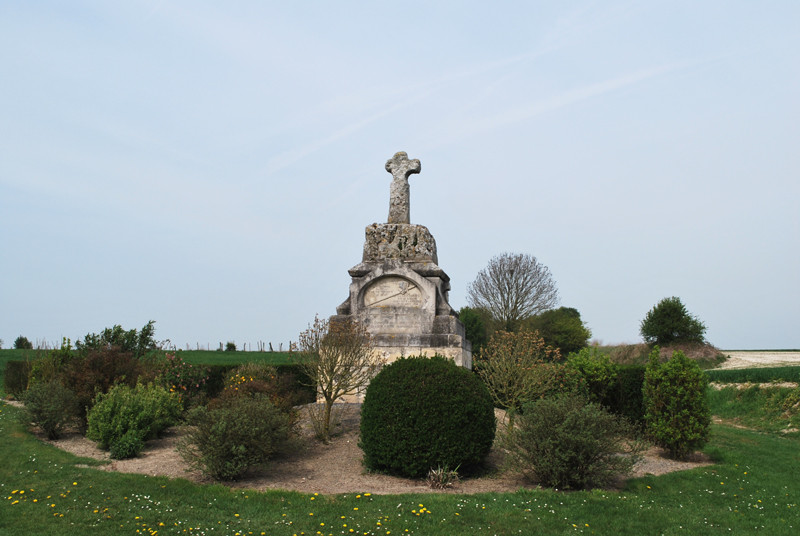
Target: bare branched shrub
<point>510,365</point>
<point>339,359</point>
<point>317,414</point>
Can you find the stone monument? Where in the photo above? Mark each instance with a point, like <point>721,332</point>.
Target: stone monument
<point>398,292</point>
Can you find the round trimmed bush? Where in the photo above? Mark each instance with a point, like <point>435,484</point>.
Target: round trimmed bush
<point>424,413</point>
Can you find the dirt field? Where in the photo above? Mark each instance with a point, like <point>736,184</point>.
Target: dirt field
<point>760,359</point>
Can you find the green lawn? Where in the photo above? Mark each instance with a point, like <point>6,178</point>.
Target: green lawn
<point>752,488</point>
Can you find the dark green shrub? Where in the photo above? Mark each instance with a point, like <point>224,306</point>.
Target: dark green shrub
<point>51,406</point>
<point>15,378</point>
<point>96,372</point>
<point>625,397</point>
<point>215,382</point>
<point>302,384</point>
<point>669,322</point>
<point>561,328</point>
<point>677,415</point>
<point>568,442</point>
<point>230,346</point>
<point>596,369</point>
<point>234,434</point>
<point>422,413</point>
<point>141,412</point>
<point>475,326</point>
<point>22,343</point>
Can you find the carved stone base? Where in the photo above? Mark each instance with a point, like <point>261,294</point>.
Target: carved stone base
<point>401,295</point>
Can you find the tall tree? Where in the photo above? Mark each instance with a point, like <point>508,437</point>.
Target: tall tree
<point>513,287</point>
<point>669,321</point>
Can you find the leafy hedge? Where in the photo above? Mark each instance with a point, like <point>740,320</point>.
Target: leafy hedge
<point>15,379</point>
<point>424,413</point>
<point>624,397</point>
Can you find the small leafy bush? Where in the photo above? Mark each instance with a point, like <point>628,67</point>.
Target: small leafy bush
<point>234,434</point>
<point>596,369</point>
<point>677,414</point>
<point>127,446</point>
<point>15,378</point>
<point>187,380</point>
<point>251,378</point>
<point>568,442</point>
<point>140,412</point>
<point>421,413</point>
<point>51,406</point>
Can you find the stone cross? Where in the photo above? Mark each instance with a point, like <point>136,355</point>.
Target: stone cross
<point>399,193</point>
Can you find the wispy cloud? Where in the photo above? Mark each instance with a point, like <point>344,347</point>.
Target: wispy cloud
<point>526,112</point>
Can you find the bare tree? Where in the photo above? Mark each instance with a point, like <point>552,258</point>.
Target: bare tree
<point>339,359</point>
<point>513,287</point>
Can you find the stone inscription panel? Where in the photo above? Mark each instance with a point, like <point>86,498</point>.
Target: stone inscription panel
<point>392,292</point>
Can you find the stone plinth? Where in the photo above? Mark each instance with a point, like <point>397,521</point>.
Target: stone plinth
<point>401,295</point>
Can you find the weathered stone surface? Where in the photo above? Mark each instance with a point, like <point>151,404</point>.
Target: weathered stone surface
<point>403,241</point>
<point>399,192</point>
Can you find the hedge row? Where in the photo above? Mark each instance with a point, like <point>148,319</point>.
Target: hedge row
<point>15,381</point>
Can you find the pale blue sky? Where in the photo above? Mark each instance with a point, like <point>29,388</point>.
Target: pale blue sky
<point>212,165</point>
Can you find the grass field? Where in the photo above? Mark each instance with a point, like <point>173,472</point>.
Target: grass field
<point>46,491</point>
<point>751,488</point>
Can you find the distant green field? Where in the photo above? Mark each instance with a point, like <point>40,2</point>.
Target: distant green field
<point>213,357</point>
<point>755,375</point>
